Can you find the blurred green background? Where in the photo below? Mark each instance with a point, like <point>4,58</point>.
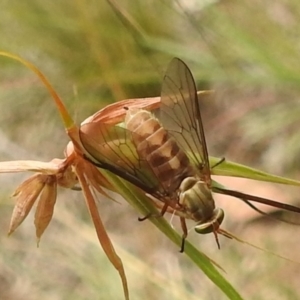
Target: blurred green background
<point>248,52</point>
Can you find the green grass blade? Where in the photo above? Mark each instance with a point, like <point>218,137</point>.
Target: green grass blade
<point>141,202</point>
<point>228,168</point>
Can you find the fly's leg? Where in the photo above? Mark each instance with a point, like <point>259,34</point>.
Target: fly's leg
<point>149,215</point>
<point>184,235</point>
<point>218,163</point>
<point>215,232</point>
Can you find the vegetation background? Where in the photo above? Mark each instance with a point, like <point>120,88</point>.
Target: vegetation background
<point>248,52</point>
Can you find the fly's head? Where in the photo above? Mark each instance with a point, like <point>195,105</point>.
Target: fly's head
<point>213,224</point>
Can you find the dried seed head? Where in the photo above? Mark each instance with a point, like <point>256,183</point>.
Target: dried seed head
<point>94,177</point>
<point>67,178</point>
<point>26,195</point>
<point>115,113</point>
<point>45,207</point>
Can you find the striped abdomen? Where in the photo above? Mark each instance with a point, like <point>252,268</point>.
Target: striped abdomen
<point>168,162</point>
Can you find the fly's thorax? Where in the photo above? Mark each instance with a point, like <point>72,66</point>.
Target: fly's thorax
<point>196,199</point>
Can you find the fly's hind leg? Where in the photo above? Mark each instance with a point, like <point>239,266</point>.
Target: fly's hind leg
<point>162,212</point>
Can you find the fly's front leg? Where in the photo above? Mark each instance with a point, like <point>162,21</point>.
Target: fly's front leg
<point>161,214</point>
<point>184,235</point>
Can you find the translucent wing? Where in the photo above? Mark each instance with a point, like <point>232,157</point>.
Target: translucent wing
<point>110,148</point>
<point>180,115</point>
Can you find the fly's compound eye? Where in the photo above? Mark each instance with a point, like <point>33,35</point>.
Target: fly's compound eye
<point>213,224</point>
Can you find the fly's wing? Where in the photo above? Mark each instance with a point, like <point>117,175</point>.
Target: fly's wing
<point>110,148</point>
<point>180,115</point>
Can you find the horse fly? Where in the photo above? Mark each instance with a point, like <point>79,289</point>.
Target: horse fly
<point>170,145</point>
<point>180,185</point>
